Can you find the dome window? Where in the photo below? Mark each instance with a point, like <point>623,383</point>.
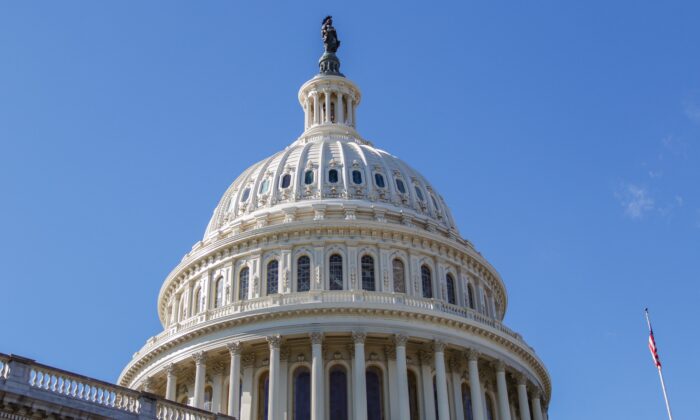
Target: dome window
<point>286,180</point>
<point>246,194</point>
<point>333,176</point>
<point>432,197</point>
<point>379,180</point>
<point>357,177</point>
<point>400,186</point>
<point>265,186</point>
<point>309,177</point>
<point>419,193</point>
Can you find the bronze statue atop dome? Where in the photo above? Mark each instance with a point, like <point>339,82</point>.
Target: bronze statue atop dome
<point>329,36</point>
<point>329,63</point>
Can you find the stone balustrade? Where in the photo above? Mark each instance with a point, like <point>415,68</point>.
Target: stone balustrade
<point>357,298</point>
<point>28,387</point>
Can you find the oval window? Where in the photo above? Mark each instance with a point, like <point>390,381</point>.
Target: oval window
<point>419,193</point>
<point>400,186</point>
<point>379,180</point>
<point>286,180</point>
<point>309,177</point>
<point>245,195</point>
<point>265,186</point>
<point>357,177</point>
<point>333,176</point>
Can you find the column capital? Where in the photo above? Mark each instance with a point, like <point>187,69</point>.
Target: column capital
<point>390,352</point>
<point>472,355</point>
<point>536,393</point>
<point>234,347</point>
<point>316,337</point>
<point>274,341</point>
<point>200,358</point>
<point>359,337</point>
<point>170,369</point>
<point>499,366</point>
<point>400,339</point>
<point>439,346</point>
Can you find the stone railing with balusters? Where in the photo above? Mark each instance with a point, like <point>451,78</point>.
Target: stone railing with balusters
<point>398,300</point>
<point>33,387</point>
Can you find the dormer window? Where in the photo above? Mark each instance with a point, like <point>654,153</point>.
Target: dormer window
<point>265,186</point>
<point>309,177</point>
<point>400,186</point>
<point>357,177</point>
<point>245,195</point>
<point>432,197</point>
<point>379,180</point>
<point>286,180</point>
<point>419,193</point>
<point>333,176</point>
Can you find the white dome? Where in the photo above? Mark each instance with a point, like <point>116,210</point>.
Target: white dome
<point>338,171</point>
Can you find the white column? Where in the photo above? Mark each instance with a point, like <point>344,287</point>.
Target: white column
<point>283,385</point>
<point>536,407</point>
<point>200,360</point>
<point>273,382</point>
<point>402,377</point>
<point>455,367</point>
<point>317,109</point>
<point>217,389</point>
<point>248,364</point>
<point>234,381</point>
<point>351,105</point>
<point>426,373</point>
<point>340,110</point>
<point>171,383</point>
<point>359,379</point>
<point>390,353</point>
<point>503,404</point>
<point>475,385</point>
<point>522,397</point>
<point>317,388</point>
<point>441,380</point>
<point>327,115</point>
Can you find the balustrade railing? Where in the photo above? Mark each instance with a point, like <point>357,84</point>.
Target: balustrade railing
<point>335,297</point>
<point>91,396</point>
<point>167,410</point>
<point>83,388</point>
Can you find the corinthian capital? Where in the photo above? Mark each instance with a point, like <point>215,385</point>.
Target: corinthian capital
<point>316,337</point>
<point>359,337</point>
<point>274,341</point>
<point>439,346</point>
<point>472,355</point>
<point>234,347</point>
<point>400,340</point>
<point>200,358</point>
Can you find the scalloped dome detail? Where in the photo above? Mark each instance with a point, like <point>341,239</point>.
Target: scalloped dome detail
<point>330,168</point>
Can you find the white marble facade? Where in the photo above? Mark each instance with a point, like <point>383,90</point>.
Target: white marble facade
<point>332,283</point>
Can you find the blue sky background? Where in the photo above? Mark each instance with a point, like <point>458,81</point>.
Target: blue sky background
<point>565,137</point>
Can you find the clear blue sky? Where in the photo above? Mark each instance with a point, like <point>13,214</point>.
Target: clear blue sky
<point>565,137</point>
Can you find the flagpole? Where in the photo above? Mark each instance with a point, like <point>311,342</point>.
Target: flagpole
<point>658,367</point>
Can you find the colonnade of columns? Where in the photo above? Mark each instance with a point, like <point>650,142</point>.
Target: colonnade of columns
<point>433,367</point>
<point>319,104</point>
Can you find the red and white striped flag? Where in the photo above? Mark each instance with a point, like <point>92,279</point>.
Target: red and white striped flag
<point>653,350</point>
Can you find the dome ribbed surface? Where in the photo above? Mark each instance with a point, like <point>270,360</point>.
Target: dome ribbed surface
<point>283,180</point>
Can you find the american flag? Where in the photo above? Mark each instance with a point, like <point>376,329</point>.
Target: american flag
<point>653,350</point>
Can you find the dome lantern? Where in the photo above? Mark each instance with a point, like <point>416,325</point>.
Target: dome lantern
<point>329,99</point>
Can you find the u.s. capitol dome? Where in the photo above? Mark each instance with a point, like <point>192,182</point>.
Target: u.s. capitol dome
<point>332,283</point>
